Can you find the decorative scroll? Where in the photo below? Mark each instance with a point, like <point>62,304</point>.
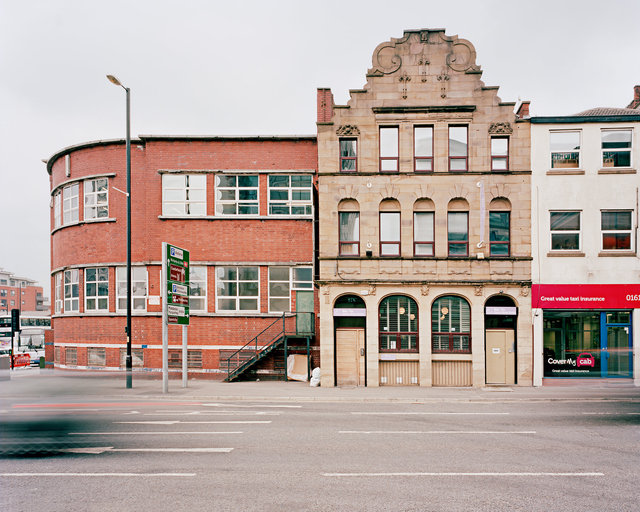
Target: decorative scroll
<point>385,58</point>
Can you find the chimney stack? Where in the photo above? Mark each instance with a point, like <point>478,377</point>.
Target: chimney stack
<point>523,110</point>
<point>636,98</point>
<point>325,105</point>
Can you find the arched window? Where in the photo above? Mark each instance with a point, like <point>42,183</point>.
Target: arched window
<point>398,324</point>
<point>451,325</point>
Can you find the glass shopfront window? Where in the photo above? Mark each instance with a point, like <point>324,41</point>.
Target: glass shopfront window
<point>594,344</point>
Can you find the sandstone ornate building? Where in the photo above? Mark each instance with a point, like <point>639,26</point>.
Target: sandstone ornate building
<point>424,223</point>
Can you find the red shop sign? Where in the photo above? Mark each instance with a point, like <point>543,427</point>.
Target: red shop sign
<point>585,296</point>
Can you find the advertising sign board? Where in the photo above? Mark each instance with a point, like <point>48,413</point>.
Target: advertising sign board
<point>177,285</point>
<point>585,296</point>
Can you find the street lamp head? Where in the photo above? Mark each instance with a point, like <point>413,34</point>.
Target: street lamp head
<point>114,80</point>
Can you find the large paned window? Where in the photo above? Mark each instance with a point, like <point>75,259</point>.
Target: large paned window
<point>71,290</point>
<point>423,234</point>
<point>423,148</point>
<point>616,230</point>
<point>616,148</point>
<point>389,149</point>
<point>349,233</point>
<point>499,153</point>
<point>137,357</point>
<point>451,325</point>
<point>71,355</point>
<point>96,199</point>
<point>565,149</point>
<point>565,231</point>
<point>96,356</point>
<point>58,292</point>
<point>458,233</point>
<point>184,194</point>
<point>499,229</point>
<point>389,233</point>
<point>70,207</point>
<point>237,288</point>
<point>290,195</point>
<point>96,289</point>
<point>237,195</point>
<point>139,287</point>
<point>197,289</point>
<point>348,155</point>
<point>284,279</point>
<point>458,148</point>
<point>57,212</point>
<point>398,325</point>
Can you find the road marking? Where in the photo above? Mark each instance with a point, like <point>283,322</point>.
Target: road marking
<point>437,432</point>
<point>98,450</point>
<point>125,433</point>
<point>434,413</point>
<point>462,474</point>
<point>175,422</point>
<point>254,406</point>
<point>89,405</point>
<point>611,413</point>
<point>213,413</point>
<point>100,474</point>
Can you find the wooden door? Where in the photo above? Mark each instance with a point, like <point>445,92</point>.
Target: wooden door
<point>350,357</point>
<point>500,356</point>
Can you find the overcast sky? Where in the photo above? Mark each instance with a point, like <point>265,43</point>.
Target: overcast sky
<point>200,67</point>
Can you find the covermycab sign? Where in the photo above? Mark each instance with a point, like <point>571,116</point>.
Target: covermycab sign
<point>586,296</point>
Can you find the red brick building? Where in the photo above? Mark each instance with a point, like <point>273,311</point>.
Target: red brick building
<point>242,206</point>
<point>19,293</point>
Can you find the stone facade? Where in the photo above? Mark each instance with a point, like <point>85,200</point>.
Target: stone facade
<point>424,79</point>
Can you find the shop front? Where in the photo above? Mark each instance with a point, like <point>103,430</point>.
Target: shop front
<point>587,330</point>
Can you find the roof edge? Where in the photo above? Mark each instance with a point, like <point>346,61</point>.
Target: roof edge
<point>584,119</point>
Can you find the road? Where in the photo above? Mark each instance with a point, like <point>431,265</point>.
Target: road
<point>529,455</point>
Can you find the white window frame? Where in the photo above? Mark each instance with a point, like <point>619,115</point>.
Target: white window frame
<point>187,198</point>
<point>616,150</point>
<point>58,292</point>
<point>72,290</point>
<point>199,298</point>
<point>565,231</point>
<point>96,202</point>
<point>139,289</point>
<point>237,297</point>
<point>629,231</point>
<point>70,204</point>
<point>290,203</point>
<point>293,284</point>
<point>574,150</point>
<point>279,282</point>
<point>223,198</point>
<point>57,209</point>
<point>97,298</point>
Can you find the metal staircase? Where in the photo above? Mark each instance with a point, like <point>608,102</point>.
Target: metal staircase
<point>275,336</point>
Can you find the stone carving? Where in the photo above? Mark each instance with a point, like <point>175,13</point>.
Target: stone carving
<point>443,78</point>
<point>385,57</point>
<point>403,80</point>
<point>459,190</point>
<point>326,290</point>
<point>455,272</point>
<point>462,56</point>
<point>479,290</point>
<point>524,291</point>
<point>372,289</point>
<point>423,64</point>
<point>496,128</point>
<point>424,290</point>
<point>390,271</point>
<point>389,192</point>
<point>347,129</point>
<point>423,192</point>
<point>348,192</point>
<point>499,190</point>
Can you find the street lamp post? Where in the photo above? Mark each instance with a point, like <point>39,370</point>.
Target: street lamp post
<point>128,364</point>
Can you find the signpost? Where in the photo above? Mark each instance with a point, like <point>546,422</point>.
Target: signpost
<point>175,305</point>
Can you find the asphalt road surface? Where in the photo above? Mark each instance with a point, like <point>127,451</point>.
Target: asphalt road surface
<point>528,455</point>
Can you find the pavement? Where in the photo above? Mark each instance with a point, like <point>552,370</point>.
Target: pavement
<point>113,386</point>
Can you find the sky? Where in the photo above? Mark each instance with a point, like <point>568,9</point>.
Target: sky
<point>199,67</point>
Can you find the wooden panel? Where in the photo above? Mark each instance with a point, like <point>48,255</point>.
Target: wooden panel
<point>452,373</point>
<point>348,364</point>
<point>399,373</point>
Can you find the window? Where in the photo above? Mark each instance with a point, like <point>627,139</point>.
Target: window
<point>423,148</point>
<point>237,195</point>
<point>616,148</point>
<point>57,212</point>
<point>565,231</point>
<point>349,233</point>
<point>96,356</point>
<point>237,288</point>
<point>458,233</point>
<point>616,230</point>
<point>71,355</point>
<point>138,288</point>
<point>197,289</point>
<point>137,357</point>
<point>70,203</point>
<point>348,155</point>
<point>284,279</point>
<point>71,290</point>
<point>96,199</point>
<point>96,289</point>
<point>499,228</point>
<point>423,234</point>
<point>184,194</point>
<point>458,148</point>
<point>389,233</point>
<point>451,325</point>
<point>499,153</point>
<point>58,293</point>
<point>389,149</point>
<point>565,149</point>
<point>194,359</point>
<point>290,195</point>
<point>398,324</point>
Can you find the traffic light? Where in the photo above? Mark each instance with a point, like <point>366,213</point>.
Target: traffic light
<point>15,320</point>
